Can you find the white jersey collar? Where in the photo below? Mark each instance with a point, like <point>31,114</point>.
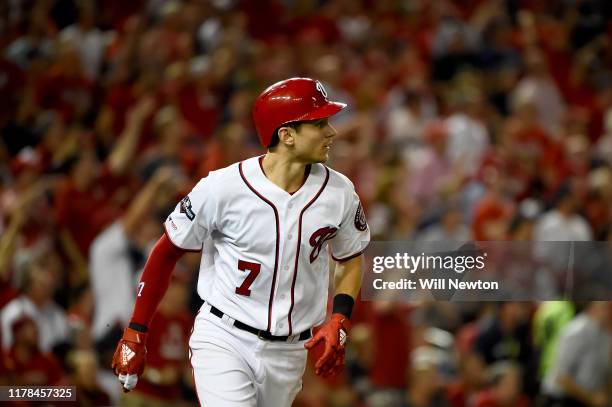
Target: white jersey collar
<point>253,175</point>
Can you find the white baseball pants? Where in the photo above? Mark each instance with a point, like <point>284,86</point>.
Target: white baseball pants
<point>234,368</point>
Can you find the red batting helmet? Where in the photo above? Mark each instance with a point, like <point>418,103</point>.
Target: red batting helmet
<point>291,100</point>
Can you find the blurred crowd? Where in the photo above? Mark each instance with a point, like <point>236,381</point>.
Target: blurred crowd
<point>467,119</point>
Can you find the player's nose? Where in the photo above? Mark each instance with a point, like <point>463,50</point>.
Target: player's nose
<point>330,131</point>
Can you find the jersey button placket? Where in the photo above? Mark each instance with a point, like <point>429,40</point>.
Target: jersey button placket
<point>284,279</point>
<point>290,232</point>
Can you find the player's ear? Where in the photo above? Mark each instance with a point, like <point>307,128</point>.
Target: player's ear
<point>286,135</point>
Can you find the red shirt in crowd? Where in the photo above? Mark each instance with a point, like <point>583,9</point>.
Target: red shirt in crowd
<point>12,80</point>
<point>68,95</point>
<point>167,343</point>
<point>39,369</point>
<point>487,399</point>
<point>391,336</point>
<point>199,109</point>
<point>85,213</point>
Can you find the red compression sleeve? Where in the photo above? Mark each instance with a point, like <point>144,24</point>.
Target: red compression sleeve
<point>155,280</point>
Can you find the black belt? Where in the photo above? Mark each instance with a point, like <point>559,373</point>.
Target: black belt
<point>258,332</point>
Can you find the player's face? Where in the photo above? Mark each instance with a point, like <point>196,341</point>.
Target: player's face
<point>313,141</point>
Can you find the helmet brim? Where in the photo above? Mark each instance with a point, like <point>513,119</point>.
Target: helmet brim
<point>330,109</point>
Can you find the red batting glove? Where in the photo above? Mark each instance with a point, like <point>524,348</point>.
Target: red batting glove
<point>334,334</point>
<point>129,359</point>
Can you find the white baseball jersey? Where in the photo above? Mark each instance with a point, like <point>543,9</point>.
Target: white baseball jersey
<point>265,258</point>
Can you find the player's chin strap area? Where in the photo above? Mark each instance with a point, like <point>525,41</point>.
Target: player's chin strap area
<point>261,334</point>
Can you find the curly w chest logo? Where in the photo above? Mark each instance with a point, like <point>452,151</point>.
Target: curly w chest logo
<point>318,238</point>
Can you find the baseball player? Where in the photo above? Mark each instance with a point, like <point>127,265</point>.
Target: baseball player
<point>265,227</point>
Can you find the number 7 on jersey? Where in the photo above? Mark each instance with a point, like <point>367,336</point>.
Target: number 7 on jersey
<point>254,269</point>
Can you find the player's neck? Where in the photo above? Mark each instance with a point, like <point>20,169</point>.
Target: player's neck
<point>282,171</point>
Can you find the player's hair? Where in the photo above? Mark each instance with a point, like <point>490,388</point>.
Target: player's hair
<point>276,140</point>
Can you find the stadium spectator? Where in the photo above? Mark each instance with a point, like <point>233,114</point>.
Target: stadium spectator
<point>579,374</point>
<point>563,222</point>
<point>426,385</point>
<point>505,390</point>
<point>505,334</point>
<point>450,228</point>
<point>462,391</point>
<point>36,302</point>
<point>549,321</point>
<point>25,362</point>
<point>84,375</point>
<point>539,88</point>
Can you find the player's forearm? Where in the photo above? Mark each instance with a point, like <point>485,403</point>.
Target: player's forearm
<point>154,281</point>
<point>348,277</point>
<point>348,283</point>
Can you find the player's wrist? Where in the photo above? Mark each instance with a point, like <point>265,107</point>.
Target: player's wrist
<point>132,335</point>
<point>343,304</point>
<point>138,327</point>
<point>341,322</point>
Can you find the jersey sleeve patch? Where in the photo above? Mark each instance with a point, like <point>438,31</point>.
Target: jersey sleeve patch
<point>360,220</point>
<point>186,208</point>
